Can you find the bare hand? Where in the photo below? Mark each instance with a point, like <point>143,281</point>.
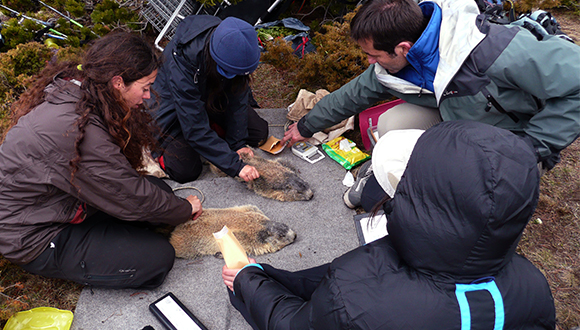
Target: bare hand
<point>249,173</point>
<point>293,135</point>
<point>229,275</point>
<point>245,150</point>
<point>195,206</point>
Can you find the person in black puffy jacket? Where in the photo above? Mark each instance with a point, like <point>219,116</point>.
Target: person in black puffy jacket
<point>449,259</point>
<point>205,99</point>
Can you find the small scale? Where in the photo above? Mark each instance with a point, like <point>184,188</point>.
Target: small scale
<point>307,151</point>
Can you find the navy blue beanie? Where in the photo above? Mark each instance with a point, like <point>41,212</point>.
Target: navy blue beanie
<point>234,47</point>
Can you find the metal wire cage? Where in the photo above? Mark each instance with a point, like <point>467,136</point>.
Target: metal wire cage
<point>165,15</point>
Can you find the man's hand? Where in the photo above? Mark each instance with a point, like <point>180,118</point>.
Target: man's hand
<point>229,275</point>
<point>245,150</point>
<point>293,135</point>
<point>195,206</point>
<point>249,173</point>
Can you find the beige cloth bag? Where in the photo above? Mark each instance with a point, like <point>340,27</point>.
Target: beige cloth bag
<point>305,101</point>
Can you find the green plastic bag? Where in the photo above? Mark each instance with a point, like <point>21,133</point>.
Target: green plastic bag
<point>41,318</point>
<point>348,156</point>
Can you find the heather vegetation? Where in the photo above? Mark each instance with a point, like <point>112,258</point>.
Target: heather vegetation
<point>551,241</point>
<point>335,61</point>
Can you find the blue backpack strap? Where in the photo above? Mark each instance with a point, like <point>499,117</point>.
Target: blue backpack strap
<point>491,287</point>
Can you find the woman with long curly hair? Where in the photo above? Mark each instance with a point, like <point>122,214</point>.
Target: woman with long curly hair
<point>205,102</point>
<point>75,202</point>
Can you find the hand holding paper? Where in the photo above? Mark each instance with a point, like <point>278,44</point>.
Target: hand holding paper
<point>229,275</point>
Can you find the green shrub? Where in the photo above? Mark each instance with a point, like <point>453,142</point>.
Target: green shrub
<point>57,4</point>
<point>108,15</point>
<point>526,6</point>
<point>18,65</point>
<point>22,6</point>
<point>16,68</point>
<point>75,8</point>
<point>29,59</point>
<point>573,5</point>
<point>72,8</point>
<point>279,54</point>
<point>336,61</point>
<point>73,54</point>
<point>16,33</point>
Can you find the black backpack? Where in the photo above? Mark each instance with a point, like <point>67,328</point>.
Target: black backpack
<point>541,23</point>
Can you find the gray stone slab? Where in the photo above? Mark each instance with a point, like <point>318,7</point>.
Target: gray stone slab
<point>324,227</point>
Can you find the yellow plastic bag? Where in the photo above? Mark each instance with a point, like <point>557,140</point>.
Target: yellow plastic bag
<point>345,152</point>
<point>40,318</point>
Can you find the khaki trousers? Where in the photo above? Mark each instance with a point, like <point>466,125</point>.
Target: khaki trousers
<point>408,116</point>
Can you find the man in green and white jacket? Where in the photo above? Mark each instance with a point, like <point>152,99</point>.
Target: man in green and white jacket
<point>449,63</point>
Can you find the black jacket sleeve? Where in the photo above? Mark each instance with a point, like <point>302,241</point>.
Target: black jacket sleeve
<point>273,306</point>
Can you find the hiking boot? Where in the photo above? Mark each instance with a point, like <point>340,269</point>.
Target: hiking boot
<point>353,194</point>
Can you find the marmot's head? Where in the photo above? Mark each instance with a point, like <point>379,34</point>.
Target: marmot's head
<point>276,234</point>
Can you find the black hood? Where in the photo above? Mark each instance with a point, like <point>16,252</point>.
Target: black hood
<point>466,196</point>
<point>193,26</point>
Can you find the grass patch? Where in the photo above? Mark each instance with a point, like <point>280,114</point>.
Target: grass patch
<point>554,244</point>
<point>20,290</point>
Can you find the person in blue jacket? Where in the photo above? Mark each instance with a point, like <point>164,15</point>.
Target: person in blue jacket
<point>204,98</point>
<point>448,261</point>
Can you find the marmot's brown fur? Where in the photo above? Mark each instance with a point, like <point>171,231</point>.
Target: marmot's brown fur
<point>278,180</point>
<point>256,233</point>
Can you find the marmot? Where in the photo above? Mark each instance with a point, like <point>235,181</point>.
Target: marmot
<point>256,233</point>
<point>278,180</point>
